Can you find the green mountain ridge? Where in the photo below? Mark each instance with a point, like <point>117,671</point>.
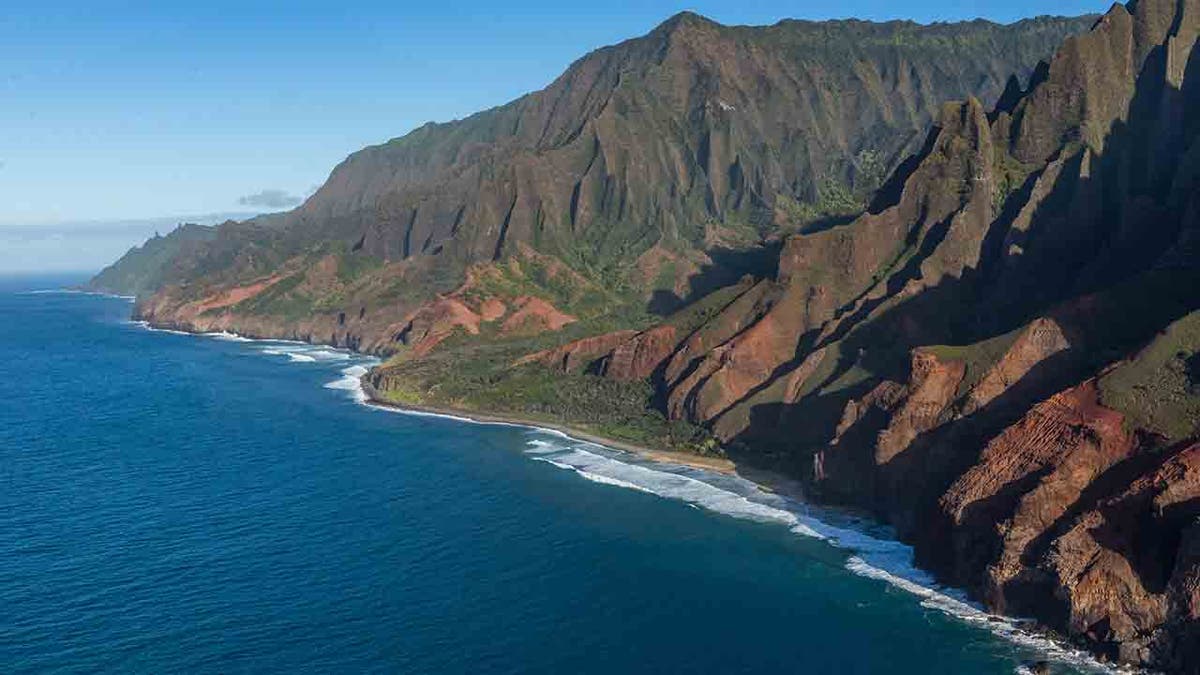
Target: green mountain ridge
<point>147,267</point>
<point>998,357</point>
<point>975,319</point>
<point>644,157</point>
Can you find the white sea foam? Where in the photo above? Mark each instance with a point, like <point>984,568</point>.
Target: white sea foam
<point>329,355</point>
<point>76,291</point>
<point>227,336</point>
<point>871,556</point>
<point>596,477</point>
<point>537,447</point>
<point>294,354</point>
<point>351,381</point>
<point>875,557</point>
<point>1003,627</point>
<point>601,469</point>
<point>146,325</point>
<point>456,418</point>
<point>297,352</point>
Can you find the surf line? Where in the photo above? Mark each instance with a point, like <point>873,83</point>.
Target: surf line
<point>885,560</point>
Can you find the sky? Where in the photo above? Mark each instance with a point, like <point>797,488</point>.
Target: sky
<point>136,111</point>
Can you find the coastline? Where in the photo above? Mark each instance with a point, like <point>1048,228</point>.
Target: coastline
<point>717,464</point>
<point>376,446</point>
<point>862,560</point>
<point>766,480</point>
<point>867,556</point>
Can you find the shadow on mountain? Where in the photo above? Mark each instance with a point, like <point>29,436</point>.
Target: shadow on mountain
<point>727,267</point>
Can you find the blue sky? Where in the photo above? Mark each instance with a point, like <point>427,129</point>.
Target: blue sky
<point>135,110</point>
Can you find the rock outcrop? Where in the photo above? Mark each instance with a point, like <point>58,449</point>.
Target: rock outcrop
<point>578,355</point>
<point>644,164</point>
<point>620,355</point>
<point>533,315</point>
<point>640,356</point>
<point>1000,356</point>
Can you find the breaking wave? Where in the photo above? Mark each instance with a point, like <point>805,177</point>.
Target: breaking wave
<point>77,291</point>
<point>351,381</point>
<point>871,552</point>
<point>456,418</point>
<point>146,325</point>
<point>226,336</point>
<point>298,353</point>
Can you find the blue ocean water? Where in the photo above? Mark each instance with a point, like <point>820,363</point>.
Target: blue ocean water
<point>178,503</point>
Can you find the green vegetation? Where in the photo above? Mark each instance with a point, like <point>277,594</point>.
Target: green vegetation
<point>474,373</point>
<point>352,267</point>
<point>481,379</point>
<point>700,312</point>
<point>555,283</point>
<point>853,376</point>
<point>834,200</point>
<point>1159,389</point>
<point>978,357</point>
<point>147,267</point>
<point>280,299</point>
<point>1011,174</point>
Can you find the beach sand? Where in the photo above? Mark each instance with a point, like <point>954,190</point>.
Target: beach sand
<point>765,479</point>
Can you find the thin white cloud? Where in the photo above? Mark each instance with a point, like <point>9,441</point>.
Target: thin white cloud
<point>270,199</point>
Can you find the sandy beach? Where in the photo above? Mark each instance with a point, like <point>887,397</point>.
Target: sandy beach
<point>767,480</point>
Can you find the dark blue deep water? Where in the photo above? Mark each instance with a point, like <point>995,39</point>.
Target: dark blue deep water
<point>177,503</point>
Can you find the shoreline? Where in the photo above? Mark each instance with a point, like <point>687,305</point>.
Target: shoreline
<point>765,479</point>
<point>950,600</point>
<point>1048,643</point>
<point>716,464</point>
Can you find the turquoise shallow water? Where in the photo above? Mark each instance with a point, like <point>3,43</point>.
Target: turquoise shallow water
<point>172,502</point>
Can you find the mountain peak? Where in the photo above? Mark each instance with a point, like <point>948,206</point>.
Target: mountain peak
<point>683,20</point>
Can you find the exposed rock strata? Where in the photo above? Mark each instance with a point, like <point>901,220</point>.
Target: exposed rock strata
<point>1000,357</point>
<point>655,163</point>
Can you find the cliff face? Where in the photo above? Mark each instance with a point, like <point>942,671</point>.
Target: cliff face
<point>649,166</point>
<point>1000,357</point>
<point>680,139</point>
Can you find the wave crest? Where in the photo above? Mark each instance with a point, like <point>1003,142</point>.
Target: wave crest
<point>871,553</point>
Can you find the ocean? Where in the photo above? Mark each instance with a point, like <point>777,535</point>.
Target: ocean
<point>180,503</point>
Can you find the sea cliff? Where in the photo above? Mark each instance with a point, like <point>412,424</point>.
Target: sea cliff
<point>995,349</point>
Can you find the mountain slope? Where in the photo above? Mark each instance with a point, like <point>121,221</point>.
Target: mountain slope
<point>645,142</point>
<point>146,268</point>
<point>1001,356</point>
<point>647,167</point>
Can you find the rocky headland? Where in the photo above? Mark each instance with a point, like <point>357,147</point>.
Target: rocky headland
<point>782,246</point>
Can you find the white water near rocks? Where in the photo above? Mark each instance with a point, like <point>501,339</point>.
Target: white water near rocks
<point>871,553</point>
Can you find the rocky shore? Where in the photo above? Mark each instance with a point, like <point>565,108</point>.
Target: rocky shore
<point>998,353</point>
